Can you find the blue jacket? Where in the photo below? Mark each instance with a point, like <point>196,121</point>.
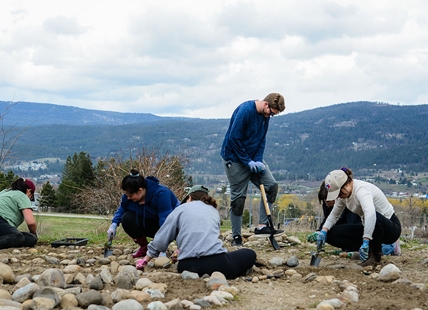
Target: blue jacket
<point>159,203</point>
<point>245,139</point>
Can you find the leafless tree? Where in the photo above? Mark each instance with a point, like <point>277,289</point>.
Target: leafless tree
<point>104,196</point>
<point>8,135</point>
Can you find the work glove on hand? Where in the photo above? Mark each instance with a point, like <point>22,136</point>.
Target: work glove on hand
<point>253,166</point>
<point>111,232</point>
<point>364,250</point>
<point>141,263</point>
<point>174,256</point>
<point>260,167</point>
<point>312,238</point>
<point>321,237</point>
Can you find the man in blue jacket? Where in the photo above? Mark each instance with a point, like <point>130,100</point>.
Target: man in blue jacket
<point>143,209</point>
<point>242,157</point>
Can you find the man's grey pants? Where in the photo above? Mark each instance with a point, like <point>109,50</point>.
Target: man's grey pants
<point>239,175</point>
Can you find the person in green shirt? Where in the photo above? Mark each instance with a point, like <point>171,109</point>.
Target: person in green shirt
<point>15,207</point>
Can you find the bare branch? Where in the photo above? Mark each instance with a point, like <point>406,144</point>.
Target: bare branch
<point>105,196</point>
<point>8,135</point>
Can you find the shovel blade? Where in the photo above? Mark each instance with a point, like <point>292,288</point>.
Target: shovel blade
<point>274,243</point>
<point>315,260</point>
<point>108,252</point>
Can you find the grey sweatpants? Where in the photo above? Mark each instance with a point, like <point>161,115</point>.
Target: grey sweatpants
<point>239,175</point>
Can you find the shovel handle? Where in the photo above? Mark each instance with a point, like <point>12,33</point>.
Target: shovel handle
<point>109,242</point>
<point>265,203</point>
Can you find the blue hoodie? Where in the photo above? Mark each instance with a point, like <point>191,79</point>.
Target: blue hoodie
<point>245,139</point>
<point>159,203</point>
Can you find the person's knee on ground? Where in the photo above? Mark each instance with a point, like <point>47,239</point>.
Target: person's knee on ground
<point>12,241</point>
<point>30,239</point>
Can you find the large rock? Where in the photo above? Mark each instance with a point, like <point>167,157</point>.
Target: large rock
<point>52,277</point>
<point>389,273</point>
<point>7,273</point>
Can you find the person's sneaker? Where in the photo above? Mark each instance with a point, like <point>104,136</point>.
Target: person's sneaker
<point>267,231</point>
<point>237,240</point>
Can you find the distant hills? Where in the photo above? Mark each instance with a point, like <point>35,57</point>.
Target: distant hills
<point>364,136</point>
<point>51,114</point>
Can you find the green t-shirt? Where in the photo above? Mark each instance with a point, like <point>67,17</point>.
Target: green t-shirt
<point>11,204</point>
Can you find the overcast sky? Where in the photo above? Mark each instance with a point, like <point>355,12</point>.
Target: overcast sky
<point>202,58</point>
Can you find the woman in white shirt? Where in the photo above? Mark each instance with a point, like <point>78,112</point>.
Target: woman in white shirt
<point>381,225</point>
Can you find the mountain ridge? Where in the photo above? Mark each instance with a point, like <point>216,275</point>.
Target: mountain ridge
<point>301,145</point>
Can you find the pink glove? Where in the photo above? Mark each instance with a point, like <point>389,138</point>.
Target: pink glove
<point>141,263</point>
<point>174,256</point>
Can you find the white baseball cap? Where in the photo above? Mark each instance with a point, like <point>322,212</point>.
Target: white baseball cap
<point>333,183</point>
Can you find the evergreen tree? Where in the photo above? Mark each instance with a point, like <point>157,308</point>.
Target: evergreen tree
<point>66,192</point>
<point>48,197</point>
<point>78,173</point>
<point>6,179</point>
<point>79,169</point>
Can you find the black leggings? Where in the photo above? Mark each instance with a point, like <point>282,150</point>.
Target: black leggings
<point>386,231</point>
<point>231,264</point>
<point>138,227</point>
<point>350,236</point>
<point>10,237</point>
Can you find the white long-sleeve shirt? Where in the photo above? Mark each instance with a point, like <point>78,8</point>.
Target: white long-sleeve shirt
<point>366,199</point>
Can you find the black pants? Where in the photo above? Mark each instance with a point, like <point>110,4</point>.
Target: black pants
<point>231,264</point>
<point>10,237</point>
<point>138,227</point>
<point>386,231</point>
<point>350,236</point>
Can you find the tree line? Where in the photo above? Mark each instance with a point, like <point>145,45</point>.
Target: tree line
<point>95,187</point>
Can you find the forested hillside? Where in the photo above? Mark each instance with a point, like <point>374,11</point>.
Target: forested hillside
<point>304,145</point>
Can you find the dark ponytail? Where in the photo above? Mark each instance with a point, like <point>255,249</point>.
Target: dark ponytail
<point>133,182</point>
<point>19,185</point>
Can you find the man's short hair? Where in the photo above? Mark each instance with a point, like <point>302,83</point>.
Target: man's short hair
<point>276,101</point>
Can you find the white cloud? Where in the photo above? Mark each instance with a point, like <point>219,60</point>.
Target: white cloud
<point>203,58</point>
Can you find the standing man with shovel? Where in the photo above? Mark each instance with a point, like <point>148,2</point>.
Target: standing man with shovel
<point>242,157</point>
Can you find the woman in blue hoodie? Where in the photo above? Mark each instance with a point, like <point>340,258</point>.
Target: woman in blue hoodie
<point>143,209</point>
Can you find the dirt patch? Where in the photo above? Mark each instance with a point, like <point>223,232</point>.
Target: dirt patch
<point>282,292</point>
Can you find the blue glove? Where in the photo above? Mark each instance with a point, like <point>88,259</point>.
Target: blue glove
<point>111,232</point>
<point>364,250</point>
<point>253,167</point>
<point>321,237</point>
<point>260,167</point>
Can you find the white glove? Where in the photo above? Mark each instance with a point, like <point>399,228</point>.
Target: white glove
<point>111,232</point>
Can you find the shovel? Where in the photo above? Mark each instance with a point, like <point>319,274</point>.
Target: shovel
<point>271,237</point>
<point>315,256</point>
<point>315,259</point>
<point>108,250</point>
<point>172,260</point>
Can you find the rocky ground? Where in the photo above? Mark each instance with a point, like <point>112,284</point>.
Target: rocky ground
<point>287,281</point>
